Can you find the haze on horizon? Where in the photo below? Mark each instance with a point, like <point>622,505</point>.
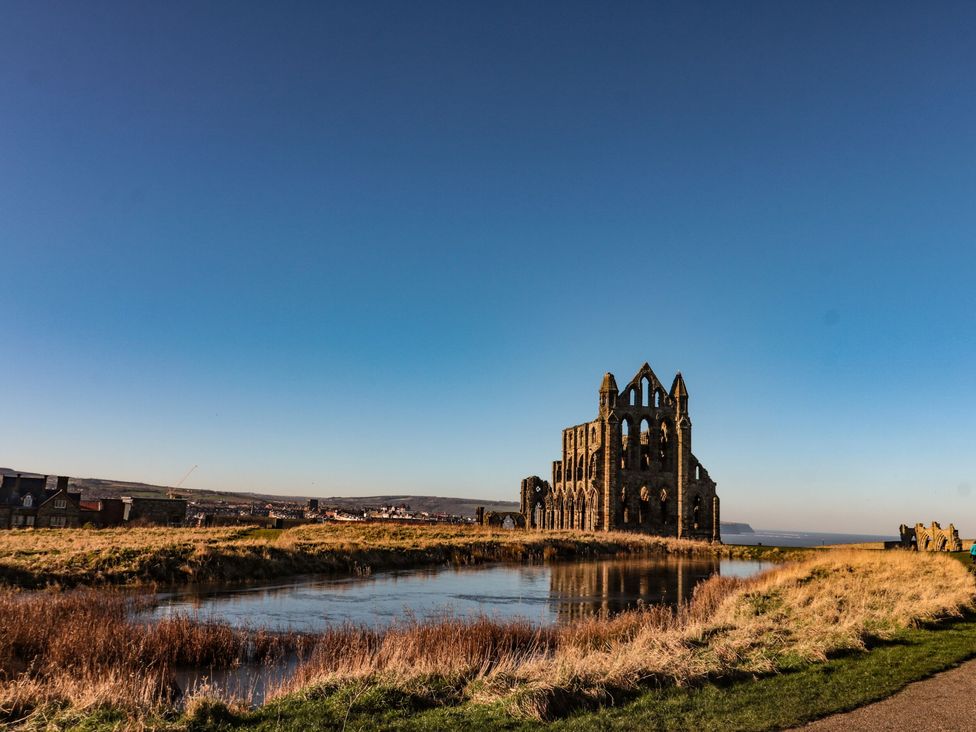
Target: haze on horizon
<point>390,248</point>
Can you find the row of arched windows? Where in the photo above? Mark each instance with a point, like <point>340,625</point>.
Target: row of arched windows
<point>645,508</point>
<point>646,449</point>
<point>569,438</point>
<point>566,513</point>
<point>645,394</point>
<point>577,468</point>
<point>649,506</point>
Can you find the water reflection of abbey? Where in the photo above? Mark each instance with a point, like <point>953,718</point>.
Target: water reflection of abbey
<point>607,587</point>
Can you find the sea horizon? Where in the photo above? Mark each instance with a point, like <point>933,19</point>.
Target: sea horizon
<point>793,538</point>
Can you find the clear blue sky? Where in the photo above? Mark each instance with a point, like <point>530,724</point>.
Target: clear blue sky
<point>375,247</point>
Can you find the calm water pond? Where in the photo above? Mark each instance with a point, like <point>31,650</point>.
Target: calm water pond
<point>545,593</point>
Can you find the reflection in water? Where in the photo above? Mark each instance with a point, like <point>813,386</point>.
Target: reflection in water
<point>611,586</point>
<point>549,593</point>
<point>540,593</point>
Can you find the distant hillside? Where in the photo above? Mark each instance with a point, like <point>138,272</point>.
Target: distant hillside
<point>731,527</point>
<point>102,488</point>
<point>105,488</point>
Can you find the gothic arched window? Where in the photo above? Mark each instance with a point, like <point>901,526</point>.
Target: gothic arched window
<point>645,444</point>
<point>663,444</point>
<point>624,443</point>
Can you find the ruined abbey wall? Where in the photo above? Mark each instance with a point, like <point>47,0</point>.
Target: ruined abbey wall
<point>631,468</point>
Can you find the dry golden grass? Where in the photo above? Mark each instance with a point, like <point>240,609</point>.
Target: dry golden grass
<point>34,558</point>
<point>82,650</point>
<point>798,613</point>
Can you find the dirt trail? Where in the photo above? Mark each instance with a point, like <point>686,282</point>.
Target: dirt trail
<point>947,701</point>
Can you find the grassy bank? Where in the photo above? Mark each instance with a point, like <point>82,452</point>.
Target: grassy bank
<point>793,615</point>
<point>634,670</point>
<point>754,704</point>
<point>84,650</point>
<point>71,557</point>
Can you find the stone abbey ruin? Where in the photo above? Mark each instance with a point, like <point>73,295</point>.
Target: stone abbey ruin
<point>930,538</point>
<point>630,469</point>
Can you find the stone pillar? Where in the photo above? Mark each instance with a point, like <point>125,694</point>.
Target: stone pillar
<point>716,523</point>
<point>610,498</point>
<point>682,466</point>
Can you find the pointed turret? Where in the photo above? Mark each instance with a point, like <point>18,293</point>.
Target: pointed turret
<point>678,387</point>
<point>608,391</point>
<point>679,393</point>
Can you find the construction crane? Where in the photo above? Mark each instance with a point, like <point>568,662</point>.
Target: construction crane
<point>172,491</point>
<point>185,476</point>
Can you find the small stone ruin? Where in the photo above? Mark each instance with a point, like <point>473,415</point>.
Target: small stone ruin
<point>930,538</point>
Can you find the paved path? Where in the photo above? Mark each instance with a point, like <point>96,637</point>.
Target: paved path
<point>946,701</point>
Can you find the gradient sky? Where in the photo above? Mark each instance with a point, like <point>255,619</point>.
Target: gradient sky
<point>373,247</point>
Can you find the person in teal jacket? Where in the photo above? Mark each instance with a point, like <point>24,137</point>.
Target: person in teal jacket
<point>972,552</point>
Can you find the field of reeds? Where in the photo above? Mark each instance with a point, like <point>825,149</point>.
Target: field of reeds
<point>75,655</point>
<point>69,557</point>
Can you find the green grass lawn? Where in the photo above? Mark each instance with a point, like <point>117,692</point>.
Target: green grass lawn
<point>771,702</point>
<point>963,557</point>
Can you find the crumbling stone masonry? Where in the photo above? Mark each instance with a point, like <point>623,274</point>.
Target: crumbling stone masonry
<point>930,539</point>
<point>629,469</point>
<point>500,519</point>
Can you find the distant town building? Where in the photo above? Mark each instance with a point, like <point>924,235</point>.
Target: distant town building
<point>26,501</point>
<point>159,511</point>
<point>111,512</point>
